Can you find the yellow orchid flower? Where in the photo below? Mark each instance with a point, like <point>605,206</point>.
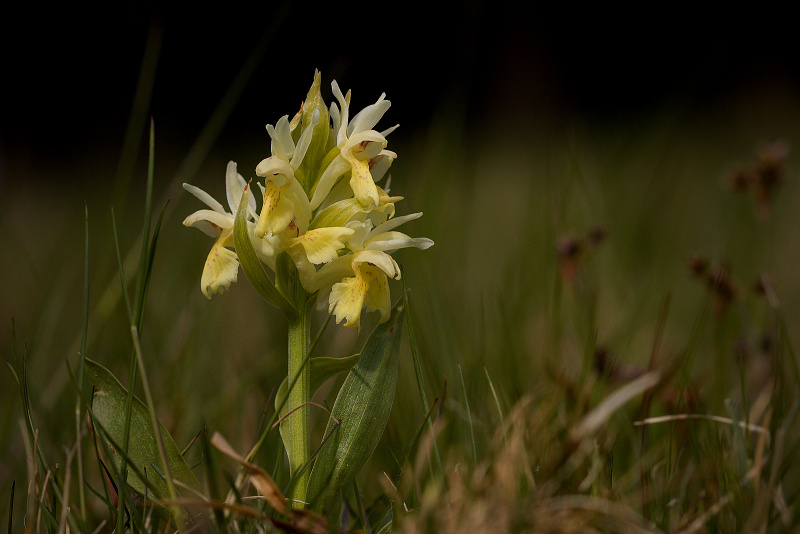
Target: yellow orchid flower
<point>359,279</point>
<point>315,247</point>
<point>360,149</point>
<point>222,266</point>
<point>284,197</point>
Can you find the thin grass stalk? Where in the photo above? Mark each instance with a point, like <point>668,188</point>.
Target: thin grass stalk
<point>37,462</point>
<point>137,121</point>
<point>135,319</point>
<point>81,358</point>
<point>173,494</point>
<point>497,405</point>
<point>647,399</point>
<point>469,416</point>
<point>420,382</point>
<point>65,508</point>
<point>362,512</point>
<point>144,259</point>
<point>11,507</point>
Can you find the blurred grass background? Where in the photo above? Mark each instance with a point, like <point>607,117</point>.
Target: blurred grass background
<point>518,129</point>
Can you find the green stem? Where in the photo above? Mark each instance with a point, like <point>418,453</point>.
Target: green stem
<point>298,446</point>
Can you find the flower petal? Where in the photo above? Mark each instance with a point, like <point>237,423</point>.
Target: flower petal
<point>377,297</point>
<point>281,135</point>
<point>321,244</point>
<point>381,163</point>
<point>341,135</point>
<point>336,118</point>
<point>391,224</point>
<point>379,259</point>
<point>333,171</point>
<point>284,202</point>
<point>267,248</point>
<point>234,187</point>
<point>332,272</point>
<point>347,299</point>
<point>387,131</point>
<point>361,181</point>
<point>204,197</point>
<point>396,240</point>
<point>221,269</point>
<point>210,222</point>
<point>276,169</point>
<point>368,117</point>
<point>277,212</point>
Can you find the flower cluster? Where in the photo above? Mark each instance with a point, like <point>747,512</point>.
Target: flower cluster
<point>322,206</point>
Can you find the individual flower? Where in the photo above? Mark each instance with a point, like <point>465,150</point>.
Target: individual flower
<point>359,279</point>
<point>222,265</point>
<point>284,198</point>
<point>360,150</point>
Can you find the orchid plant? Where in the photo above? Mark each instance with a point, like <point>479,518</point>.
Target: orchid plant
<point>326,230</point>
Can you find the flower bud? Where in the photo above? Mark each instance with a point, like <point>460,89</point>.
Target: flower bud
<point>310,168</point>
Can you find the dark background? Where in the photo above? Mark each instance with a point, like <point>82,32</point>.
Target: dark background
<point>69,77</point>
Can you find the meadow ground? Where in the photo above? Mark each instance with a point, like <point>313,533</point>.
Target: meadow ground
<point>606,324</point>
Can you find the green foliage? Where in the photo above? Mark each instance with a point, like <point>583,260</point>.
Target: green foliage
<point>322,370</point>
<point>108,406</point>
<point>359,415</point>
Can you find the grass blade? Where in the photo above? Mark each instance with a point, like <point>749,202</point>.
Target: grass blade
<point>469,416</point>
<point>418,373</point>
<point>497,405</point>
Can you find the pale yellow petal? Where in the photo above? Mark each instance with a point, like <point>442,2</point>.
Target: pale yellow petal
<point>221,269</point>
<point>321,244</point>
<point>379,259</point>
<point>209,222</point>
<point>332,172</point>
<point>234,188</point>
<point>347,299</point>
<point>394,240</point>
<point>267,248</point>
<point>378,297</point>
<point>276,169</point>
<point>361,180</point>
<point>277,212</point>
<point>305,269</point>
<point>332,272</point>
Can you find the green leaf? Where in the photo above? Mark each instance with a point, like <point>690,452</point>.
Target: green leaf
<point>251,265</point>
<point>362,409</point>
<point>108,406</point>
<point>321,370</point>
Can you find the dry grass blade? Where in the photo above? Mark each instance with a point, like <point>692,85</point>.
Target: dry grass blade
<point>716,418</point>
<point>598,417</point>
<point>299,521</point>
<point>260,478</point>
<point>700,521</point>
